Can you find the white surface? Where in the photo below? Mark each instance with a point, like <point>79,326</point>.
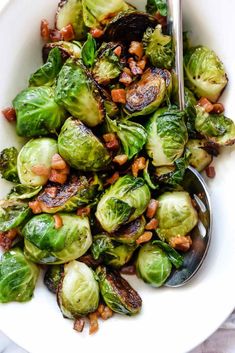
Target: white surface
<point>173,321</point>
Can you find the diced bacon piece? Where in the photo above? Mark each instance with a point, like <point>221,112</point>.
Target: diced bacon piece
<point>139,164</point>
<point>96,32</point>
<point>118,51</point>
<point>120,159</point>
<point>45,31</point>
<point>125,78</point>
<point>67,33</point>
<point>94,325</point>
<point>206,104</point>
<point>144,238</point>
<point>57,176</point>
<point>210,171</point>
<point>9,114</point>
<point>79,324</point>
<point>152,208</point>
<point>136,48</point>
<point>181,243</point>
<point>35,207</point>
<point>111,141</point>
<point>152,224</point>
<point>57,162</point>
<point>106,313</point>
<point>118,95</point>
<point>142,63</point>
<point>135,70</point>
<point>113,178</point>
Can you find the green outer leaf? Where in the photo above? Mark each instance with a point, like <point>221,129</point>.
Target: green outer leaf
<point>88,53</point>
<point>8,164</point>
<point>18,277</point>
<point>23,192</point>
<point>175,258</point>
<point>13,214</point>
<point>154,6</point>
<point>147,177</point>
<point>101,243</point>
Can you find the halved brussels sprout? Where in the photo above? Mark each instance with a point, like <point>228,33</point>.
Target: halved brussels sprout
<point>81,148</point>
<point>199,157</point>
<point>123,202</point>
<point>8,164</point>
<point>167,136</point>
<point>13,214</point>
<point>44,244</point>
<point>18,277</point>
<point>129,233</point>
<point>23,192</point>
<point>205,74</point>
<point>143,97</point>
<point>78,292</point>
<point>77,192</point>
<point>71,12</point>
<point>78,93</point>
<point>37,112</point>
<point>158,48</point>
<point>53,277</point>
<point>175,214</point>
<point>153,265</point>
<point>154,6</point>
<point>47,73</point>
<point>215,128</point>
<point>117,292</point>
<point>67,49</point>
<point>129,26</point>
<point>36,153</point>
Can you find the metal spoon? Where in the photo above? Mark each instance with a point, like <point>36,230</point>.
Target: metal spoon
<point>193,181</point>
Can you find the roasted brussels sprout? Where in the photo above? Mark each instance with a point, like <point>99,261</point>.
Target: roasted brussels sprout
<point>53,276</point>
<point>71,12</point>
<point>13,214</point>
<point>154,6</point>
<point>107,64</point>
<point>123,202</point>
<point>205,74</point>
<point>129,233</point>
<point>153,265</point>
<point>132,135</point>
<point>23,192</point>
<point>78,292</point>
<point>78,93</point>
<point>46,74</point>
<point>8,164</point>
<point>67,50</point>
<point>215,128</point>
<point>199,157</point>
<point>158,48</point>
<point>167,136</point>
<point>36,153</point>
<point>47,244</point>
<point>117,292</point>
<point>37,112</point>
<point>18,277</point>
<point>81,148</point>
<point>176,215</point>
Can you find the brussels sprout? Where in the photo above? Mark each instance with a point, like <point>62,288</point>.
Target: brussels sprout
<point>175,214</point>
<point>190,112</point>
<point>97,12</point>
<point>132,135</point>
<point>44,244</point>
<point>13,214</point>
<point>167,136</point>
<point>143,97</point>
<point>129,233</point>
<point>117,292</point>
<point>67,49</point>
<point>107,65</point>
<point>205,74</point>
<point>23,192</point>
<point>154,6</point>
<point>81,148</point>
<point>77,192</point>
<point>158,48</point>
<point>53,276</point>
<point>153,265</point>
<point>37,112</point>
<point>128,26</point>
<point>123,202</point>
<point>18,277</point>
<point>8,164</point>
<point>78,292</point>
<point>78,93</point>
<point>70,12</point>
<point>46,74</point>
<point>215,128</point>
<point>36,152</point>
<point>199,157</point>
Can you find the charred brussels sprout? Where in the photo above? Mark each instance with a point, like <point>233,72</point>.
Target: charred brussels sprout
<point>78,93</point>
<point>123,202</point>
<point>8,164</point>
<point>23,192</point>
<point>176,215</point>
<point>117,292</point>
<point>37,112</point>
<point>81,148</point>
<point>153,265</point>
<point>78,292</point>
<point>129,233</point>
<point>13,214</point>
<point>199,157</point>
<point>18,277</point>
<point>53,276</point>
<point>46,74</point>
<point>205,74</point>
<point>146,95</point>
<point>215,128</point>
<point>47,244</point>
<point>36,153</point>
<point>158,48</point>
<point>70,12</point>
<point>167,136</point>
<point>67,49</point>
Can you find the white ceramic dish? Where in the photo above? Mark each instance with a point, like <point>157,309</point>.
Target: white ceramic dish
<point>172,320</point>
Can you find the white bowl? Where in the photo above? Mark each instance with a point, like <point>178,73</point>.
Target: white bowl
<point>172,320</point>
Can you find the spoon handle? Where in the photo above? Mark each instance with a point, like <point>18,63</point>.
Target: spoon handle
<point>175,18</point>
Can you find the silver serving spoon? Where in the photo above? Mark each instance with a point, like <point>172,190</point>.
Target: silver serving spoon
<point>193,181</point>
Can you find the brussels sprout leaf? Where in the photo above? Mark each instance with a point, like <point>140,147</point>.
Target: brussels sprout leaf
<point>12,214</point>
<point>89,51</point>
<point>154,6</point>
<point>23,192</point>
<point>175,258</point>
<point>101,244</point>
<point>8,164</point>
